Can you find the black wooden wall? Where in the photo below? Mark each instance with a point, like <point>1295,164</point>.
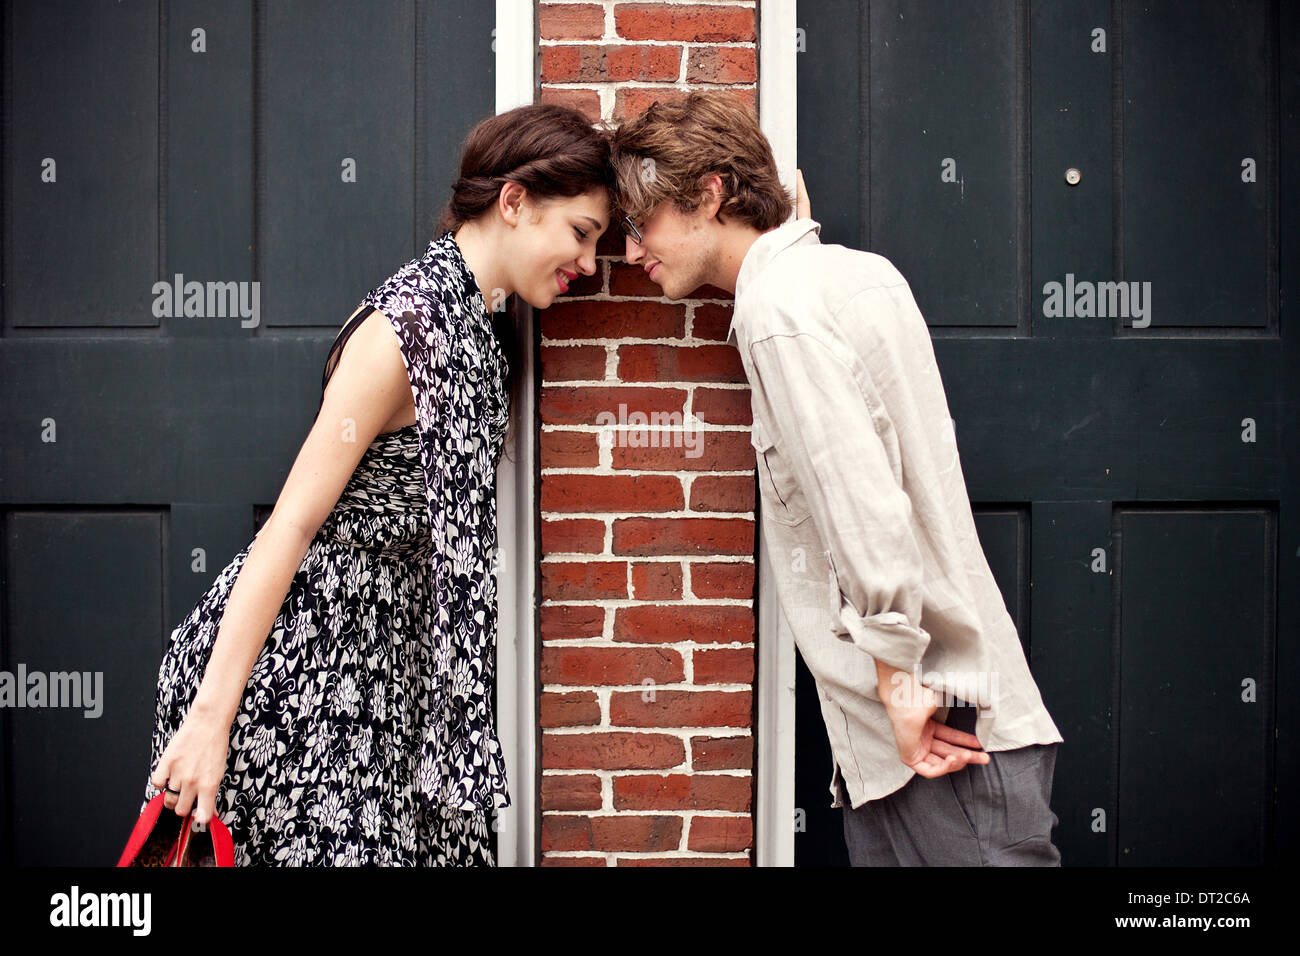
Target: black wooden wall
<point>304,145</point>
<point>1135,476</point>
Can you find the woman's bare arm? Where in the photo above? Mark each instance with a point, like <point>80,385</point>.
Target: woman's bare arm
<point>366,389</point>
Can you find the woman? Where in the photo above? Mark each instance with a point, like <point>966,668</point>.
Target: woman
<point>359,732</point>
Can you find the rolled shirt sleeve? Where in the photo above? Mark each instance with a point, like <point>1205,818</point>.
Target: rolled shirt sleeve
<point>824,429</point>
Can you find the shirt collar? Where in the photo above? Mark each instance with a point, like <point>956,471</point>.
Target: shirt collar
<point>765,248</point>
<point>446,247</point>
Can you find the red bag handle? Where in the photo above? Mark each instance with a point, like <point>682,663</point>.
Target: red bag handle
<point>222,845</point>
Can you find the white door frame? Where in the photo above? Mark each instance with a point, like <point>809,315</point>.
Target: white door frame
<point>516,50</point>
<point>774,812</point>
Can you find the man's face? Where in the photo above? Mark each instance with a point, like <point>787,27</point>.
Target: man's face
<point>678,250</point>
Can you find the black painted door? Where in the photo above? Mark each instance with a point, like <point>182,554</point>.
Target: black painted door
<point>294,152</point>
<point>1094,203</point>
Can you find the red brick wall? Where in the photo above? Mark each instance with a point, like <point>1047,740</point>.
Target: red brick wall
<point>647,615</point>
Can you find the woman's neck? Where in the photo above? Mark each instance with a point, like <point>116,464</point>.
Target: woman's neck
<point>477,248</point>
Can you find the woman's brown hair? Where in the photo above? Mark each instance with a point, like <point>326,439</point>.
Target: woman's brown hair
<point>670,150</point>
<point>552,151</point>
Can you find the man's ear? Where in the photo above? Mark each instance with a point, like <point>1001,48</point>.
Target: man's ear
<point>713,200</point>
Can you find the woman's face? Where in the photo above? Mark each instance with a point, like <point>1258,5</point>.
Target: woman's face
<point>555,242</point>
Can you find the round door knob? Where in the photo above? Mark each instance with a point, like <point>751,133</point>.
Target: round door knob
<point>1072,176</point>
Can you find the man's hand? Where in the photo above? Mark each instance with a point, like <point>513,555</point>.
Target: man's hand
<point>802,207</point>
<point>927,746</point>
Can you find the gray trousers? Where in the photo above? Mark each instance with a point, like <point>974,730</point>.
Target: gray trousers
<point>993,814</point>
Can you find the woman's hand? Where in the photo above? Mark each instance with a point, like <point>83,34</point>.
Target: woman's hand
<point>194,763</point>
<point>802,207</point>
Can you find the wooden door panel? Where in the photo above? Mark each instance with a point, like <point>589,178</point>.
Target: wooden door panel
<point>81,173</point>
<point>336,152</point>
<point>944,184</point>
<point>192,139</point>
<point>85,596</point>
<point>1196,603</point>
<point>1197,92</point>
<point>1151,460</point>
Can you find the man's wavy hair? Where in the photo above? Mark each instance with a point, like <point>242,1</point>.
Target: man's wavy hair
<point>669,151</point>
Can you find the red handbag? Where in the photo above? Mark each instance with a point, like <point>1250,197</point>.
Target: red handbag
<point>161,838</point>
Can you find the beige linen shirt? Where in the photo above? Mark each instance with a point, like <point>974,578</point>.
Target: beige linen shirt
<point>865,517</point>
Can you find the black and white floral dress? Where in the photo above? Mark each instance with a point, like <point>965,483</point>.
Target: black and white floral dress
<point>365,734</point>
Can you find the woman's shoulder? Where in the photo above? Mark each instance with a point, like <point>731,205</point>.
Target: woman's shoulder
<point>422,286</point>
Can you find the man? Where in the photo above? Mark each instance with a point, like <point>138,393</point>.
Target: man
<point>943,750</point>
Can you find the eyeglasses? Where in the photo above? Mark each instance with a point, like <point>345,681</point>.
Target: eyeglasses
<point>631,229</point>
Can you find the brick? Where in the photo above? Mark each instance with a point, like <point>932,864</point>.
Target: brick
<point>685,536</point>
<point>566,449</point>
<point>579,535</point>
<point>722,753</point>
<point>631,279</point>
<point>701,623</point>
<point>570,710</point>
<point>679,861</point>
<point>572,362</point>
<point>692,23</point>
<point>723,406</point>
<point>586,102</point>
<point>722,493</point>
<point>566,831</point>
<point>670,363</point>
<point>570,791</point>
<point>562,622</point>
<point>720,834</point>
<point>551,860</point>
<point>613,493</point>
<point>656,580</point>
<point>611,750</point>
<point>601,319</point>
<point>583,580</point>
<point>723,665</point>
<point>586,404</point>
<point>722,64</point>
<point>682,708</point>
<point>712,320</point>
<point>610,666</point>
<point>683,450</point>
<point>612,243</point>
<point>644,833</point>
<point>560,64</point>
<point>610,832</point>
<point>722,579</point>
<point>707,291</point>
<point>610,63</point>
<point>571,21</point>
<point>630,101</point>
<point>682,791</point>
